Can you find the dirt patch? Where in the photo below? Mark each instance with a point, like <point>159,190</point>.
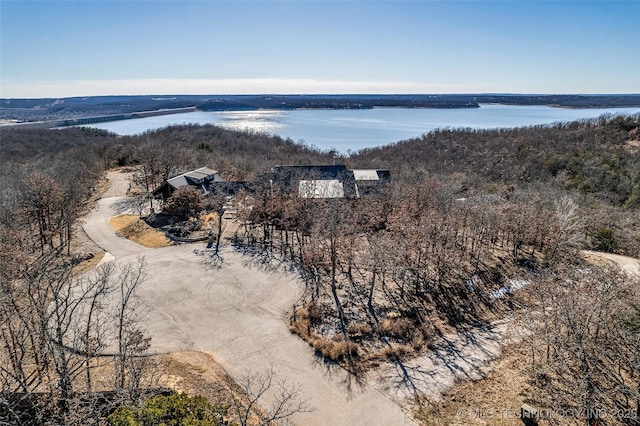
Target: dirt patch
<point>633,146</point>
<point>194,373</point>
<point>89,264</point>
<point>198,373</point>
<point>494,399</point>
<point>135,229</point>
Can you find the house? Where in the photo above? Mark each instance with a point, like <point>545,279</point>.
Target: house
<point>202,179</point>
<point>324,181</point>
<point>328,181</point>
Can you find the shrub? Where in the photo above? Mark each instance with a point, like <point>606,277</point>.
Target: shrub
<point>303,318</point>
<point>360,330</point>
<point>605,240</point>
<point>122,417</point>
<point>394,352</point>
<point>314,311</point>
<point>174,410</point>
<point>185,201</point>
<point>399,328</point>
<point>336,349</point>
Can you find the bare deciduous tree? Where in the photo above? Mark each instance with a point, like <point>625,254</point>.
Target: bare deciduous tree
<point>569,228</point>
<point>586,360</point>
<point>55,327</point>
<point>285,399</point>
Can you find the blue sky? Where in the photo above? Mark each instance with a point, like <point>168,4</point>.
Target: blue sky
<point>67,48</point>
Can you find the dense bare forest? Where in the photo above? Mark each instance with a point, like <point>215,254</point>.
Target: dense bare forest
<point>475,226</point>
<point>595,161</point>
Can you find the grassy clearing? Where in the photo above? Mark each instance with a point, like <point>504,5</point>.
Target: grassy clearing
<point>133,228</point>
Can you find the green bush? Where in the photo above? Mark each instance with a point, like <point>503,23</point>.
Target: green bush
<point>176,410</point>
<point>605,240</point>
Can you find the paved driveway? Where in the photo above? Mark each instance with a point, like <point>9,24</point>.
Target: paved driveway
<point>238,313</point>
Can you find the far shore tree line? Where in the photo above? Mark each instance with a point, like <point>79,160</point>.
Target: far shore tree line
<point>475,225</point>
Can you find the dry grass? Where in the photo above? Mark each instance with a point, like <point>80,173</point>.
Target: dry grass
<point>301,327</point>
<point>407,339</point>
<point>336,349</point>
<point>633,146</point>
<point>133,228</point>
<point>419,341</point>
<point>399,328</point>
<point>194,373</point>
<point>302,323</point>
<point>493,400</point>
<point>88,265</point>
<point>303,318</point>
<point>393,352</point>
<point>360,330</point>
<point>209,220</point>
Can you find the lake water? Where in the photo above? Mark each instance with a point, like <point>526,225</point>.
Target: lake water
<point>346,130</point>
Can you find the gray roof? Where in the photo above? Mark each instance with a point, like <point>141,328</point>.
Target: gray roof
<point>194,177</point>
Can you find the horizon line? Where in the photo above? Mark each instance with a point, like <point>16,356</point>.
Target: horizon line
<point>172,95</point>
<point>261,86</point>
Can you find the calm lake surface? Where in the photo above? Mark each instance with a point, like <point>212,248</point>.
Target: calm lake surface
<point>346,130</point>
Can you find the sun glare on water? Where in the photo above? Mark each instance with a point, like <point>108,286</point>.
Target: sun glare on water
<point>254,121</point>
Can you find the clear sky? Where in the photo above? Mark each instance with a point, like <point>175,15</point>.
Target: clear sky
<point>68,48</point>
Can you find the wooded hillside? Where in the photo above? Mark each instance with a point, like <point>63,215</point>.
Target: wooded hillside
<point>475,226</point>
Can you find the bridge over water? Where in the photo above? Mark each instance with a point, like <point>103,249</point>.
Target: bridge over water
<point>119,117</point>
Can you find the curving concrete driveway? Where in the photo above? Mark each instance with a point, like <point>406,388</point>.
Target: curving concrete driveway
<point>237,312</point>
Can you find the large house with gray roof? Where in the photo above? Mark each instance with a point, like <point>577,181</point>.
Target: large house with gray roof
<point>324,181</point>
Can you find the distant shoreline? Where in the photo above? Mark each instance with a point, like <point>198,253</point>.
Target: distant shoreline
<point>47,110</point>
<point>78,111</point>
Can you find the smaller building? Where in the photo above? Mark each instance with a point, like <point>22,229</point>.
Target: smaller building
<point>203,179</point>
<point>369,181</point>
